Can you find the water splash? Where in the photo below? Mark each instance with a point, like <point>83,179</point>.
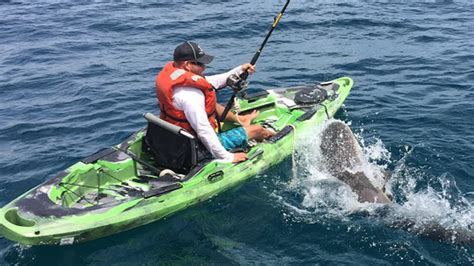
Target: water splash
<point>431,204</point>
<point>425,205</point>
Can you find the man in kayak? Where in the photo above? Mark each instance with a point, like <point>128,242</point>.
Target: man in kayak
<point>187,99</point>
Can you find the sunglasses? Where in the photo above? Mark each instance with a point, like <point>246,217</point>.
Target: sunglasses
<point>197,63</point>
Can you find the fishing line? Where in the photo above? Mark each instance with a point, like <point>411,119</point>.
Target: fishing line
<point>294,170</point>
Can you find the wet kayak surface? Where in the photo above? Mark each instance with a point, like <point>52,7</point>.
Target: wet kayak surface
<point>75,78</point>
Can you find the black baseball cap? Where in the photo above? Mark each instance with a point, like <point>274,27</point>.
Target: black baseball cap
<point>192,52</point>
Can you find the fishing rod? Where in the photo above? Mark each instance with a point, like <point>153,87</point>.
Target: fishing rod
<point>238,82</point>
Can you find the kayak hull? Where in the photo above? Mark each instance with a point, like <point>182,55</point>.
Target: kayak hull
<point>95,198</point>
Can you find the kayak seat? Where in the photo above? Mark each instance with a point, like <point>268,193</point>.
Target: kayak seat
<point>171,146</point>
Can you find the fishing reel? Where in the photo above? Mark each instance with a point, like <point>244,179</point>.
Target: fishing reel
<point>237,83</point>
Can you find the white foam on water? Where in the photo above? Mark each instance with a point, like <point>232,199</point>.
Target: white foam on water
<point>321,196</point>
<point>431,202</point>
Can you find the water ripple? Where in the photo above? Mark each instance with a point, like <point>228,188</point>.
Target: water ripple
<point>76,77</point>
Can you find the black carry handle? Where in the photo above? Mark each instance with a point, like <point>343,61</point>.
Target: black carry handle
<point>236,83</point>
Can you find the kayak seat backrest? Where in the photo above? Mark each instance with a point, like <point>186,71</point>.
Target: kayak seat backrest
<point>171,146</point>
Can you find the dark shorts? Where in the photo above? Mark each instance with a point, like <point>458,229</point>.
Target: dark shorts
<point>234,138</point>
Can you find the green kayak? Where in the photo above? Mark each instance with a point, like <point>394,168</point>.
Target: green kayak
<point>135,183</point>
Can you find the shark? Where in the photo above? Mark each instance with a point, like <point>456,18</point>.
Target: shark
<point>344,159</point>
<point>343,156</point>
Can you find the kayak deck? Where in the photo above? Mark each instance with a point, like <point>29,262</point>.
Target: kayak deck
<point>117,189</point>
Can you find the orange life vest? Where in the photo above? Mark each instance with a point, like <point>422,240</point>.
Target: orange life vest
<point>171,77</point>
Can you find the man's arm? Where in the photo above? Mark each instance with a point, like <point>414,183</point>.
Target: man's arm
<point>219,80</point>
<point>191,102</point>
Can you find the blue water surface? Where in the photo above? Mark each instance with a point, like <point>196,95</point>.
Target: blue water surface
<point>76,77</point>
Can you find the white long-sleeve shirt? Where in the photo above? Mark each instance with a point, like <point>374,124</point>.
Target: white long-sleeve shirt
<point>191,101</point>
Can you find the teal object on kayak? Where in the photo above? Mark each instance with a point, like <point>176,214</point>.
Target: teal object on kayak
<point>134,183</point>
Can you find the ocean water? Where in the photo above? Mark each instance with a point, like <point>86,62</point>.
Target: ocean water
<point>75,77</point>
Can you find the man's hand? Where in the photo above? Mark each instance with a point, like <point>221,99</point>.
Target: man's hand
<point>248,67</point>
<point>239,157</point>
